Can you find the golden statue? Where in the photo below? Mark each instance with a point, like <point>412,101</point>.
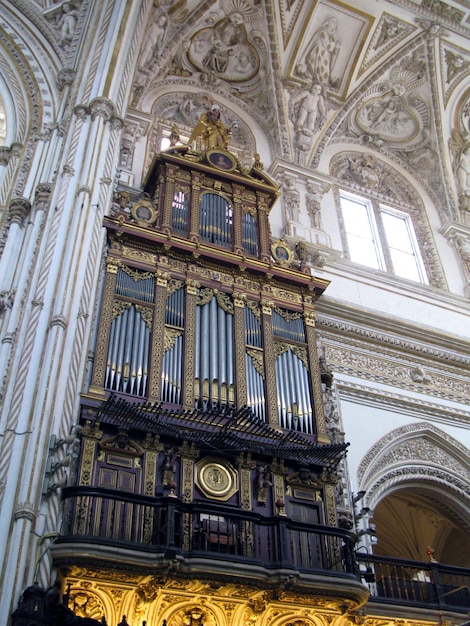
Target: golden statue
<point>212,130</point>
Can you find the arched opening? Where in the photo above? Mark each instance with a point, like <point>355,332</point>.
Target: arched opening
<point>414,518</point>
<point>416,496</point>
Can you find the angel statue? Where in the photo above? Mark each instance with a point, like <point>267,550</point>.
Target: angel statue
<point>211,129</point>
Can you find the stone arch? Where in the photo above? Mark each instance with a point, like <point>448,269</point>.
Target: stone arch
<point>430,470</point>
<point>89,602</point>
<point>296,619</point>
<point>185,105</point>
<point>30,94</point>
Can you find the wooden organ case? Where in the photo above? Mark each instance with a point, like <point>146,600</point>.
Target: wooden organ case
<point>198,310</point>
<point>202,431</point>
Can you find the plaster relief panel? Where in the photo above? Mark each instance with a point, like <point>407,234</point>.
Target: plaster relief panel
<point>227,45</point>
<point>224,48</point>
<point>393,111</point>
<point>455,67</point>
<point>390,31</point>
<point>324,57</point>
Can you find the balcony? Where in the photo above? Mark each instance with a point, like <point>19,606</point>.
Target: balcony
<point>104,528</point>
<point>431,585</point>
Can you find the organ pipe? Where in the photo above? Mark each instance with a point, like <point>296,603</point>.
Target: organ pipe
<point>215,220</point>
<point>172,361</point>
<point>250,234</point>
<point>136,285</point>
<point>127,364</point>
<point>255,389</point>
<point>180,212</point>
<point>293,390</point>
<point>214,354</point>
<point>288,326</point>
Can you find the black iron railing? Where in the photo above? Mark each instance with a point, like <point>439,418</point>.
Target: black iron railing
<point>411,582</point>
<point>166,525</point>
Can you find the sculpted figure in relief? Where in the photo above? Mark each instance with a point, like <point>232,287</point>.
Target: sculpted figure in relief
<point>321,54</point>
<point>463,172</point>
<point>227,33</point>
<point>154,39</point>
<point>388,30</point>
<point>224,49</point>
<point>292,200</point>
<point>309,107</point>
<point>312,199</point>
<point>455,63</point>
<point>67,23</point>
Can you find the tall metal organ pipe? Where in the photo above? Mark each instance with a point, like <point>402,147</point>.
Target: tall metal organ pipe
<point>128,353</point>
<point>214,368</point>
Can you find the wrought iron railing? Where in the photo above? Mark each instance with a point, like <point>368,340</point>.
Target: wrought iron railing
<point>166,525</point>
<point>411,582</point>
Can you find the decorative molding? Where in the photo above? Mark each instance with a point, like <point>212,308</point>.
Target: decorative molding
<point>414,443</point>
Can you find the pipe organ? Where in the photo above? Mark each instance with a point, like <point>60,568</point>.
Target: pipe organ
<point>204,454</point>
<point>198,312</point>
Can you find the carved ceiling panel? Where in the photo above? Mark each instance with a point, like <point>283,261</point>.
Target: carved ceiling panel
<point>389,33</point>
<point>324,55</point>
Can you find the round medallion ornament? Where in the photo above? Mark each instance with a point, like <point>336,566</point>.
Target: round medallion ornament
<point>222,160</point>
<point>282,253</point>
<point>216,478</point>
<point>143,212</point>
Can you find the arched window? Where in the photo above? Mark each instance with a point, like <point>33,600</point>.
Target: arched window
<point>383,221</point>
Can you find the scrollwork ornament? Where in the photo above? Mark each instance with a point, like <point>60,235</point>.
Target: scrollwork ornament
<point>170,337</point>
<point>267,307</point>
<point>224,301</point>
<point>65,77</point>
<point>119,307</point>
<point>192,286</point>
<point>258,360</point>
<point>162,278</point>
<point>81,111</point>
<point>239,299</point>
<point>204,296</point>
<point>146,313</point>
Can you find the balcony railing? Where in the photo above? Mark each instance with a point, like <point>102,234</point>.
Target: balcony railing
<point>167,526</point>
<point>409,582</point>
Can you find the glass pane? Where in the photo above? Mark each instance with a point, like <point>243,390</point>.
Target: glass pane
<point>403,247</point>
<point>398,235</point>
<point>360,232</point>
<point>405,265</point>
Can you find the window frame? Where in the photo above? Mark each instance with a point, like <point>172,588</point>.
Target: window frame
<point>375,210</point>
